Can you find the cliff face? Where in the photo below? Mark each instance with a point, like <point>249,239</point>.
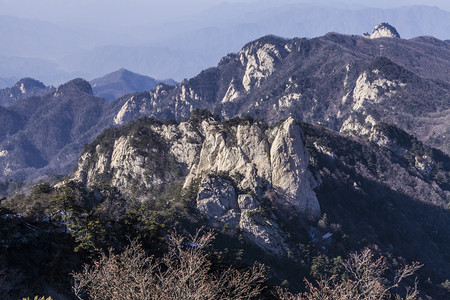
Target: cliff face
<point>384,30</point>
<point>264,183</point>
<point>234,165</point>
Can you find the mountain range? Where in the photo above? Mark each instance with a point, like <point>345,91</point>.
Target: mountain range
<point>339,81</point>
<point>57,53</point>
<point>286,148</point>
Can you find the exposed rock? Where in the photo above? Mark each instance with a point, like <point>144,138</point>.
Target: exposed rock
<point>259,64</point>
<point>383,30</point>
<point>24,88</point>
<point>290,175</point>
<point>373,90</point>
<point>236,163</point>
<point>353,125</point>
<point>216,197</point>
<point>246,201</point>
<point>265,233</point>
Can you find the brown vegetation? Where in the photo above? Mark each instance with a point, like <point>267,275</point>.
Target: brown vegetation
<point>183,273</point>
<point>363,279</point>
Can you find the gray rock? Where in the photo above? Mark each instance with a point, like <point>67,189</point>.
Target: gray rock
<point>247,201</point>
<point>216,196</point>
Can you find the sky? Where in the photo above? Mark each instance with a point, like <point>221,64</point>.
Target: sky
<point>112,14</point>
<point>93,37</point>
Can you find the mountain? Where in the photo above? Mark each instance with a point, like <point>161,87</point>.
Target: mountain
<point>122,82</point>
<point>271,185</point>
<point>340,81</point>
<point>44,134</point>
<point>24,88</point>
<point>233,167</point>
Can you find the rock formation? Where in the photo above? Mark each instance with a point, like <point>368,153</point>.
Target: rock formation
<point>237,165</point>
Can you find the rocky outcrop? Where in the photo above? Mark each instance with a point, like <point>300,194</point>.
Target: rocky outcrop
<point>323,80</point>
<point>259,61</point>
<point>237,165</point>
<point>259,162</point>
<point>24,88</point>
<point>383,30</point>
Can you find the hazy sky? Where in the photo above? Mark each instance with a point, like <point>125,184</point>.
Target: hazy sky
<point>110,14</point>
<point>94,37</point>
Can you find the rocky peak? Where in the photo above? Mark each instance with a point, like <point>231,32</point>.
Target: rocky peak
<point>383,30</point>
<point>27,84</point>
<point>24,88</point>
<point>260,58</point>
<point>236,166</point>
<point>75,85</point>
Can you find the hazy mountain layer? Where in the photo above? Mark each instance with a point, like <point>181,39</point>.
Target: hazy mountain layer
<point>122,82</point>
<point>24,88</point>
<point>181,49</point>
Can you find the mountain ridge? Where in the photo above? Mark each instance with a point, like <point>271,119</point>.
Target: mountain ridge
<point>294,72</point>
<point>24,88</point>
<point>335,80</point>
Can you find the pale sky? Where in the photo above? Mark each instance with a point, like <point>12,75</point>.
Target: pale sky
<point>94,37</point>
<point>117,13</point>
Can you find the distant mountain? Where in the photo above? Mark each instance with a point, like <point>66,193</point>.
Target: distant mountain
<point>181,49</point>
<point>24,88</point>
<point>43,135</point>
<point>122,82</point>
<point>160,61</point>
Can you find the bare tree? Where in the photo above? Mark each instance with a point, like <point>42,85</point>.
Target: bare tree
<point>128,275</point>
<point>364,280</point>
<point>183,273</point>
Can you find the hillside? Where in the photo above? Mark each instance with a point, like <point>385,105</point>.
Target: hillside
<point>294,196</point>
<point>241,165</point>
<point>24,88</point>
<point>43,135</point>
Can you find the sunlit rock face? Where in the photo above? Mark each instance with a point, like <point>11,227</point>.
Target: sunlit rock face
<point>239,169</point>
<point>383,30</point>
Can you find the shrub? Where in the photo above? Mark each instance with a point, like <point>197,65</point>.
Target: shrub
<point>183,273</point>
<point>363,279</point>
